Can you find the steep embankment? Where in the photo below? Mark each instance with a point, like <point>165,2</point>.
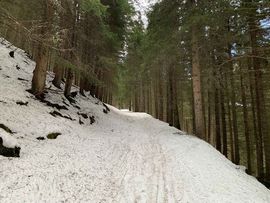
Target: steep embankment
<point>121,157</point>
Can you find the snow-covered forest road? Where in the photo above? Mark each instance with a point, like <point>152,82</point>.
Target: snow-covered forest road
<point>132,158</point>
<point>122,157</point>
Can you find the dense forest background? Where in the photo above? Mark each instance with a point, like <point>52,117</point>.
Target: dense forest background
<point>201,66</point>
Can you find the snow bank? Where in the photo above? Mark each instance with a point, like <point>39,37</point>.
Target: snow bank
<point>8,140</point>
<point>123,157</point>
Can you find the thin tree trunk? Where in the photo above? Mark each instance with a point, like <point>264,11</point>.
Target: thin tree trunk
<point>260,105</point>
<point>176,121</point>
<point>169,97</point>
<point>259,155</point>
<point>246,123</point>
<point>68,84</point>
<point>196,83</point>
<point>234,114</point>
<point>229,119</point>
<point>209,118</point>
<point>224,125</point>
<point>160,87</point>
<point>217,119</point>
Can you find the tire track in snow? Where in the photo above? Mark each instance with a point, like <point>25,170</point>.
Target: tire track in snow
<point>149,163</point>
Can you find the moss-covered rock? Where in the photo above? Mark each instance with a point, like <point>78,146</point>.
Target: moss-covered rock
<point>53,136</point>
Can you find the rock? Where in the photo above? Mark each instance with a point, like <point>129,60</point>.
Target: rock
<point>92,119</point>
<point>71,100</point>
<point>73,94</point>
<point>40,96</point>
<point>56,113</point>
<point>11,54</point>
<point>80,121</point>
<point>64,102</point>
<point>84,115</point>
<point>57,106</point>
<point>5,128</point>
<point>106,107</point>
<point>26,62</point>
<point>21,103</point>
<point>53,136</point>
<point>180,133</point>
<point>77,107</point>
<point>9,152</point>
<point>21,79</point>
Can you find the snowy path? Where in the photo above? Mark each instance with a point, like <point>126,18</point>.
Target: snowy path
<point>111,166</point>
<point>142,161</point>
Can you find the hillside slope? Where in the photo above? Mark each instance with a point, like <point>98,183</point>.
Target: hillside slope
<point>122,157</point>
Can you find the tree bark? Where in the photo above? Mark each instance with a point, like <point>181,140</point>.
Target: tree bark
<point>40,72</point>
<point>246,123</point>
<point>217,119</point>
<point>196,83</point>
<point>233,108</point>
<point>58,76</point>
<point>224,124</point>
<point>69,82</point>
<point>263,135</point>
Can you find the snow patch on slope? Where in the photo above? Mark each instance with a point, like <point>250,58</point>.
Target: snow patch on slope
<point>8,140</point>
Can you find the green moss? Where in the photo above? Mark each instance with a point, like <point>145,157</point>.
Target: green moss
<point>53,136</point>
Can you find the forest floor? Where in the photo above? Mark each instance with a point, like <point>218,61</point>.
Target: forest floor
<point>120,157</point>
